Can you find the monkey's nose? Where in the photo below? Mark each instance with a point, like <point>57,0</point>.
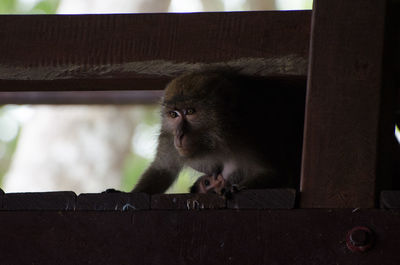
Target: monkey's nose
<point>179,140</point>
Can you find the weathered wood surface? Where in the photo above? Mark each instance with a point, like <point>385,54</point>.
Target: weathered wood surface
<point>187,201</point>
<point>82,97</point>
<point>114,201</point>
<point>39,201</point>
<point>143,51</point>
<point>343,104</point>
<point>196,237</point>
<point>260,199</point>
<point>123,201</point>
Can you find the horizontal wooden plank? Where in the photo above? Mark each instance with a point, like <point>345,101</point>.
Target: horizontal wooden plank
<point>113,201</point>
<point>197,237</point>
<point>142,51</point>
<point>86,83</point>
<point>81,97</point>
<point>263,199</point>
<point>43,201</point>
<point>187,201</point>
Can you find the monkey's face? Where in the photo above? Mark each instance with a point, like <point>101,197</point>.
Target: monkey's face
<point>192,111</point>
<point>188,128</point>
<point>210,184</point>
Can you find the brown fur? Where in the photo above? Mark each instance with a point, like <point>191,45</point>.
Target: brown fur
<point>247,129</point>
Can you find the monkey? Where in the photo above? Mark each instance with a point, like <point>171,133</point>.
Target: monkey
<point>239,129</point>
<point>215,184</point>
<point>210,184</point>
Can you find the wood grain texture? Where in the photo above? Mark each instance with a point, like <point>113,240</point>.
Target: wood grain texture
<point>143,51</point>
<point>343,104</point>
<point>116,201</point>
<point>263,199</point>
<point>187,201</point>
<point>309,237</point>
<point>82,97</point>
<point>43,201</point>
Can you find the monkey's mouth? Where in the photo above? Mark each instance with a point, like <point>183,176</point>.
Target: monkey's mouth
<point>180,143</point>
<point>185,152</point>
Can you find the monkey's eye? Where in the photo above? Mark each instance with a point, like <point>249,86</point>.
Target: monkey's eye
<point>206,182</point>
<point>190,111</point>
<point>173,114</point>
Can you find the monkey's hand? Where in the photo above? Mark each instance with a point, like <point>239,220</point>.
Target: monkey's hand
<point>231,189</point>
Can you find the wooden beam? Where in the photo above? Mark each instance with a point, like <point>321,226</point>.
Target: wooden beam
<point>311,237</point>
<point>81,97</point>
<point>143,51</point>
<point>343,104</point>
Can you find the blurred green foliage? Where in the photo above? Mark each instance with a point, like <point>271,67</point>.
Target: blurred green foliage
<point>8,6</point>
<point>135,165</point>
<point>45,7</point>
<point>23,7</point>
<point>185,179</point>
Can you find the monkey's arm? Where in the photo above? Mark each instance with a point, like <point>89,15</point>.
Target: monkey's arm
<point>163,170</point>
